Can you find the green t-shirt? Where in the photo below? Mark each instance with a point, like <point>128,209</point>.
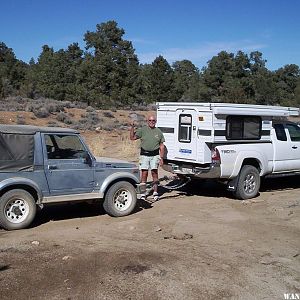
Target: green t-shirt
<point>151,138</point>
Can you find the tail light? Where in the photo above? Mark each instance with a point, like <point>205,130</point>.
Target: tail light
<point>215,156</point>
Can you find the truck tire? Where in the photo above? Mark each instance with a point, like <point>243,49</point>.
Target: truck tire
<point>248,183</point>
<point>120,199</point>
<point>17,209</point>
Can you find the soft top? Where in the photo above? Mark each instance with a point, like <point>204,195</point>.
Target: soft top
<point>29,129</point>
<point>17,145</point>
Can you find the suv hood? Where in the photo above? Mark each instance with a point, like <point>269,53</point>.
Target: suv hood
<point>107,162</point>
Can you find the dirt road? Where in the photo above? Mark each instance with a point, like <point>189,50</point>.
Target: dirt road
<point>197,243</point>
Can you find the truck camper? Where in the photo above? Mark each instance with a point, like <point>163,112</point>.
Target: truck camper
<point>236,143</point>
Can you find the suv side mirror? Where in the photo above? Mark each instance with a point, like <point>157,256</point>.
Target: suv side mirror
<point>87,158</point>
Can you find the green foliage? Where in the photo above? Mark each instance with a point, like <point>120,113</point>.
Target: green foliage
<point>297,93</point>
<point>108,74</point>
<point>12,72</point>
<point>161,81</point>
<point>114,64</point>
<point>186,80</point>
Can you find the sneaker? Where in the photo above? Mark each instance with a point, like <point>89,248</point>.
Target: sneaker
<point>143,197</point>
<point>155,196</point>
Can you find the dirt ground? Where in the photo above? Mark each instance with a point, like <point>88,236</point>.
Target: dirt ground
<point>195,243</point>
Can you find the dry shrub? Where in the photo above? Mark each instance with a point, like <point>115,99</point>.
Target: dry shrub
<point>20,120</point>
<point>98,145</point>
<point>108,114</point>
<point>17,103</point>
<point>41,112</point>
<point>64,117</point>
<point>78,104</point>
<point>90,109</point>
<point>107,127</point>
<point>52,124</point>
<point>128,148</point>
<point>93,118</point>
<point>120,147</point>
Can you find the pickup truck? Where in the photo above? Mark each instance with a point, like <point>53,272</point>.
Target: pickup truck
<point>46,165</point>
<point>245,164</point>
<point>235,143</point>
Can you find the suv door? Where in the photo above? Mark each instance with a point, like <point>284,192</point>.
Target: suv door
<point>66,167</point>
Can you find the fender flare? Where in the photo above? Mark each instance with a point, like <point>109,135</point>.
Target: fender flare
<point>116,176</point>
<point>262,161</point>
<point>10,182</point>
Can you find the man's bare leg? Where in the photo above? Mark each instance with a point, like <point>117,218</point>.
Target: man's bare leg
<point>144,176</point>
<point>154,174</point>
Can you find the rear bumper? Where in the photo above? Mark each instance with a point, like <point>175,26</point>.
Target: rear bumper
<point>198,171</point>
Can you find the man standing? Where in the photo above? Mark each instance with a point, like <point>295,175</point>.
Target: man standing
<point>152,151</point>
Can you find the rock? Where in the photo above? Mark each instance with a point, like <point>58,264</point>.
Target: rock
<point>133,116</point>
<point>35,243</point>
<point>157,229</point>
<point>66,257</point>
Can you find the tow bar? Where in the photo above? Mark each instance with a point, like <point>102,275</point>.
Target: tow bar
<point>147,188</point>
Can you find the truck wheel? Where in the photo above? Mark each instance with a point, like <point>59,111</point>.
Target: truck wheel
<point>248,183</point>
<point>17,209</point>
<point>120,199</point>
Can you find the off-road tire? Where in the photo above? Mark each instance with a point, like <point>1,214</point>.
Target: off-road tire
<point>17,209</point>
<point>120,199</point>
<point>248,183</point>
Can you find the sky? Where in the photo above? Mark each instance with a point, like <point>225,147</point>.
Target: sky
<point>177,30</point>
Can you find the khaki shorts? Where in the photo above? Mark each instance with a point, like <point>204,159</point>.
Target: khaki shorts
<point>149,162</point>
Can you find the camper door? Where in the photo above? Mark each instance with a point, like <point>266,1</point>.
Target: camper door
<point>186,135</point>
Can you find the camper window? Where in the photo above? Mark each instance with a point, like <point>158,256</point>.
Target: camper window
<point>185,128</point>
<point>243,128</point>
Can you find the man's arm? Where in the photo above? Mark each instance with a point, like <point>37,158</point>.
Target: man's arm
<point>161,153</point>
<point>132,133</point>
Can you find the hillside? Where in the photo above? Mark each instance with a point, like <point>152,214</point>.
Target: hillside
<point>106,131</point>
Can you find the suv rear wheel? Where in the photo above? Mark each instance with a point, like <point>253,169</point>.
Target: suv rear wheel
<point>120,199</point>
<point>17,209</point>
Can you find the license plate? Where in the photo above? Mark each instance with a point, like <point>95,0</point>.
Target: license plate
<point>186,170</point>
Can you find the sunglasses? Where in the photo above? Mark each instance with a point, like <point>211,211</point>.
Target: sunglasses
<point>151,120</point>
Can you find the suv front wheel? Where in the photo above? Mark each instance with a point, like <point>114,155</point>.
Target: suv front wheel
<point>120,199</point>
<point>17,209</point>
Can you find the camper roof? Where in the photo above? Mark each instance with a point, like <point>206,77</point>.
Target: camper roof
<point>232,108</point>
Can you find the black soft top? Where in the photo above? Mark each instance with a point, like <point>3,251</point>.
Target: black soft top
<point>17,145</point>
<point>29,129</point>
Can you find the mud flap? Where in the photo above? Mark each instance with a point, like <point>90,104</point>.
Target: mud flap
<point>141,188</point>
<point>231,185</point>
